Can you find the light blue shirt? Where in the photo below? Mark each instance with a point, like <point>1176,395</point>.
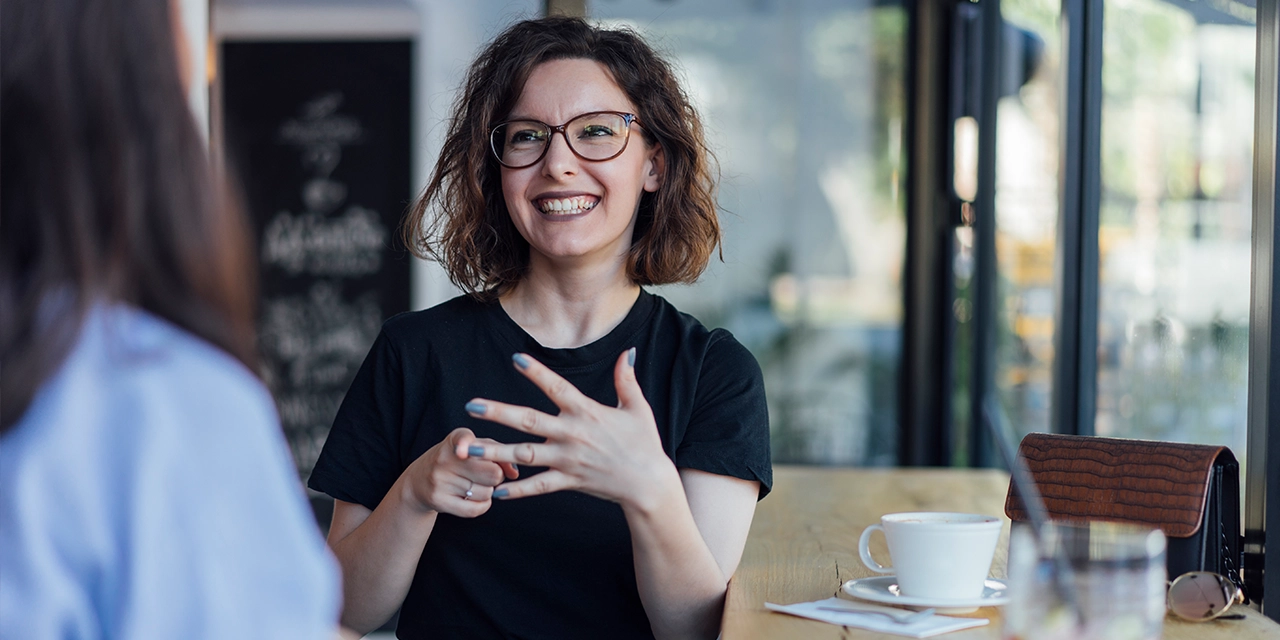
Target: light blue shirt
<point>148,493</point>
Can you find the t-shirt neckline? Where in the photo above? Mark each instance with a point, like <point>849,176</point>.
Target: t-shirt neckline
<point>607,348</point>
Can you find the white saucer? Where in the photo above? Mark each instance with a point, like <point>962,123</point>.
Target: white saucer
<point>885,589</point>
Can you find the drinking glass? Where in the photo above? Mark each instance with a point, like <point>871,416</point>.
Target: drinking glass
<point>1115,573</point>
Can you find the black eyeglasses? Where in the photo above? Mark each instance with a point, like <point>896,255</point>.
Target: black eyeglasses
<point>595,136</point>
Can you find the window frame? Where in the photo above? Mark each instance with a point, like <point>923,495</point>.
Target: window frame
<point>1262,507</point>
<point>1075,379</point>
<point>929,326</point>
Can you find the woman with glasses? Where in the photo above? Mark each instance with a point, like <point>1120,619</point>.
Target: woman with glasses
<point>559,453</point>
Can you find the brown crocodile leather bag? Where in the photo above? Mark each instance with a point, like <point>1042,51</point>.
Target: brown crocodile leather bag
<point>1190,491</point>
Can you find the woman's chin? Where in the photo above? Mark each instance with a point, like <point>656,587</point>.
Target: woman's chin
<point>577,254</point>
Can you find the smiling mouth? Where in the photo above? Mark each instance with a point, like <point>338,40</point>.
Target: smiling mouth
<point>567,206</point>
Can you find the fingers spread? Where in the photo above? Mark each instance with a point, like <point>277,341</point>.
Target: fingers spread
<point>525,453</point>
<point>624,380</point>
<point>518,418</point>
<point>561,391</point>
<point>476,450</point>
<point>541,484</point>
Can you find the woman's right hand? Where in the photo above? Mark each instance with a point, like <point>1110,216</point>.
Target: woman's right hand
<point>440,479</point>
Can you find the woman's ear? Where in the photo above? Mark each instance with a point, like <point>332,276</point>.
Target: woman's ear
<point>655,169</point>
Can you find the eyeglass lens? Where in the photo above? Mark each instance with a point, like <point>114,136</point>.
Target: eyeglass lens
<point>1201,595</point>
<point>593,136</point>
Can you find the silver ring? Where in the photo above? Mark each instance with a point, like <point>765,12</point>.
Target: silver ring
<point>468,494</point>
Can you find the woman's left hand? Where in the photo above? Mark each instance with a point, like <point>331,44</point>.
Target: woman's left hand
<point>611,453</point>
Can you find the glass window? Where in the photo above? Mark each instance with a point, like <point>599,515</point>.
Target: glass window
<point>1175,221</point>
<point>1027,203</point>
<point>804,105</point>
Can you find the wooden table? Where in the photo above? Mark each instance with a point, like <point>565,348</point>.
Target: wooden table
<point>804,545</point>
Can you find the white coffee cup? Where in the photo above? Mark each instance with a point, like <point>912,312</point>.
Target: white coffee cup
<point>936,555</point>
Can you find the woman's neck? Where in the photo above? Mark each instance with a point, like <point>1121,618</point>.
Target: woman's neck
<point>564,310</point>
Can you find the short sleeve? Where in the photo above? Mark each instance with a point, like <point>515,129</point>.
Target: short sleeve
<point>361,457</point>
<point>728,432</point>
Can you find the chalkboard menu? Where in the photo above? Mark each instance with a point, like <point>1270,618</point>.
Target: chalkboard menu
<point>318,135</point>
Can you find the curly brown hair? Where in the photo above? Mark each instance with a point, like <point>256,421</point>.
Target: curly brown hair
<point>471,233</point>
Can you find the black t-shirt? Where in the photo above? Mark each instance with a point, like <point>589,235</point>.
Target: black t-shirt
<point>553,566</point>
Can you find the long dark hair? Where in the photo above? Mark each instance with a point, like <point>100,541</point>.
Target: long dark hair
<point>106,191</point>
<point>472,235</point>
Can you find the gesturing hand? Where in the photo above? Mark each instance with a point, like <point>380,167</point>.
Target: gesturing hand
<point>611,453</point>
<point>448,482</point>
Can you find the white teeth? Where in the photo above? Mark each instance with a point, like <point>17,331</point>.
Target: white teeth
<point>568,205</point>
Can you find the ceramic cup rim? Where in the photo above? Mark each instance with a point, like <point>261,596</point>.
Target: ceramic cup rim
<point>941,518</point>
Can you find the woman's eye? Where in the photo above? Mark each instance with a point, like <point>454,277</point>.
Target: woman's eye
<point>526,135</point>
<point>595,131</point>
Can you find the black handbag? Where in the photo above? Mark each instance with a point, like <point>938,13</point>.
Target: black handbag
<point>1190,491</point>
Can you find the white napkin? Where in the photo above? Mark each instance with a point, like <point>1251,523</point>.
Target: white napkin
<point>930,626</point>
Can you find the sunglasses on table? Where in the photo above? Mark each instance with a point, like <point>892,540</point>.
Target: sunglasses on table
<point>1201,596</point>
<point>595,136</point>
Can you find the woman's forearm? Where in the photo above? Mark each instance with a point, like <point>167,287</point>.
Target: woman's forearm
<point>681,585</point>
<point>379,558</point>
<point>379,550</point>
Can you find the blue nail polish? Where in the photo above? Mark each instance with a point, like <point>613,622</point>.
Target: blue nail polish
<point>520,360</point>
<point>499,493</point>
<point>476,408</point>
<point>476,451</point>
<point>631,357</point>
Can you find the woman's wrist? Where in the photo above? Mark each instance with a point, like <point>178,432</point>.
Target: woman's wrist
<point>409,496</point>
<point>660,489</point>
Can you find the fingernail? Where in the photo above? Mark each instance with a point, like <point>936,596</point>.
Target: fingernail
<point>499,493</point>
<point>520,360</point>
<point>631,357</point>
<point>476,451</point>
<point>477,408</point>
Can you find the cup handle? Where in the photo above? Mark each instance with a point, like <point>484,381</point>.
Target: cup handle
<point>865,553</point>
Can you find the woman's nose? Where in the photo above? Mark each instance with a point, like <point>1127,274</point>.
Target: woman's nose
<point>560,159</point>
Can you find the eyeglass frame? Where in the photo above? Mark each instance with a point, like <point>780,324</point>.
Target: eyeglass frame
<point>1236,596</point>
<point>628,118</point>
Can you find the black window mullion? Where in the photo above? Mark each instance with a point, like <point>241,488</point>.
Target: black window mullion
<point>928,321</point>
<point>982,382</point>
<point>1075,380</point>
<point>1262,507</point>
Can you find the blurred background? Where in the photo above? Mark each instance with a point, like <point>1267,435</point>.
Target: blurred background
<point>887,258</point>
<point>925,202</point>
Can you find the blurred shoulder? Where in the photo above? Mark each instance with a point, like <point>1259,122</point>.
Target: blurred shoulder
<point>150,442</point>
<point>132,374</point>
<point>145,358</point>
<point>138,404</point>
